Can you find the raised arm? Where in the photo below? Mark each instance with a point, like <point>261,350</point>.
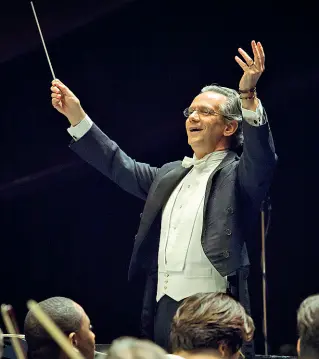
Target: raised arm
<point>96,148</point>
<point>258,161</point>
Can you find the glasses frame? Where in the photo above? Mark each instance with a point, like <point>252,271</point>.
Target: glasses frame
<point>210,112</point>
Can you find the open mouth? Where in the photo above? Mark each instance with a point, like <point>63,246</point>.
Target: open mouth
<point>195,130</point>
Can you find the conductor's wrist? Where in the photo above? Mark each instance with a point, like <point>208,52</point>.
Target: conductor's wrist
<point>76,119</point>
<point>250,104</point>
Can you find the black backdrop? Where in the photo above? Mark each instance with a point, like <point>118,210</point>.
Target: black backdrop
<point>66,230</point>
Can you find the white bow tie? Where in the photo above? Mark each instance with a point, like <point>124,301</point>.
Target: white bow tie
<point>208,159</point>
<point>189,162</point>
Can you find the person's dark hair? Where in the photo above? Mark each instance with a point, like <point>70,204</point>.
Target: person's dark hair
<point>308,327</point>
<point>67,317</point>
<point>205,321</point>
<point>231,110</point>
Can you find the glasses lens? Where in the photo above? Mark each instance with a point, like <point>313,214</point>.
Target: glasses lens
<point>186,112</point>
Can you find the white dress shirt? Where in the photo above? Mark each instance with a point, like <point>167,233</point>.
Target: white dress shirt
<point>183,268</point>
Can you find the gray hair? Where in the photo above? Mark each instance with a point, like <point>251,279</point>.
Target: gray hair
<point>131,348</point>
<point>231,110</point>
<point>308,327</point>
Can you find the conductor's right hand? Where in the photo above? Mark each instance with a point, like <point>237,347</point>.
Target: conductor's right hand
<point>66,102</point>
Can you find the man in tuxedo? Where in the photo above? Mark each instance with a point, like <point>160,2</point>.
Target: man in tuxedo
<point>199,212</point>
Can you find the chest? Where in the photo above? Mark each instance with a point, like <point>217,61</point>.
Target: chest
<point>189,193</point>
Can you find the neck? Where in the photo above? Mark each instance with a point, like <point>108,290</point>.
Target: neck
<point>202,354</point>
<point>201,151</point>
<point>183,353</point>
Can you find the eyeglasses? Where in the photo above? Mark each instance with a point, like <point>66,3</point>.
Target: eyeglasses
<point>205,112</point>
<point>202,111</point>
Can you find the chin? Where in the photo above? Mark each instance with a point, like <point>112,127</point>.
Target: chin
<point>194,141</point>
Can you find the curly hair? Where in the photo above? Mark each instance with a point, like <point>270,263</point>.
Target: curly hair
<point>205,321</point>
<point>231,110</point>
<point>308,327</point>
<point>66,316</point>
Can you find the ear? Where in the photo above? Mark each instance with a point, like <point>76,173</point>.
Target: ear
<point>223,350</point>
<point>230,128</point>
<point>72,339</point>
<point>298,347</point>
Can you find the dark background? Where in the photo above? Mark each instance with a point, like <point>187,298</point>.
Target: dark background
<point>135,65</point>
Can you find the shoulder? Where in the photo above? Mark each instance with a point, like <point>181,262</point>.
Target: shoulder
<point>169,166</point>
<point>166,168</point>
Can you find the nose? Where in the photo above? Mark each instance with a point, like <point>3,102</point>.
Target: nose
<point>193,117</point>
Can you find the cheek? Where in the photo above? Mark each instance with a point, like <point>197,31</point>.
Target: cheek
<point>215,126</point>
<point>87,339</point>
<point>210,127</point>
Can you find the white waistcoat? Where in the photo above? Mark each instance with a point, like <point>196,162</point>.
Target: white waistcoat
<point>183,268</point>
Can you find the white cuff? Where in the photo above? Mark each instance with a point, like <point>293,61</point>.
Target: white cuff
<point>81,128</point>
<point>254,118</point>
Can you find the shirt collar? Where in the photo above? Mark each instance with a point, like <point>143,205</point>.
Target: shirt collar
<point>206,161</point>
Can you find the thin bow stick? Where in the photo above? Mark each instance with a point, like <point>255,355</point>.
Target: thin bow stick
<point>264,279</point>
<point>53,330</point>
<point>19,336</point>
<point>42,39</point>
<point>10,325</point>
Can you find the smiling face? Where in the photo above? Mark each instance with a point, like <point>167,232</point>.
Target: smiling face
<point>207,130</point>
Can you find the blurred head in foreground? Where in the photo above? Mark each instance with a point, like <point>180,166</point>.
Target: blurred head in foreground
<point>70,318</point>
<point>211,324</point>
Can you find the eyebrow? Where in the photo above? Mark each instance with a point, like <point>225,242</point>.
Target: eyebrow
<point>207,106</point>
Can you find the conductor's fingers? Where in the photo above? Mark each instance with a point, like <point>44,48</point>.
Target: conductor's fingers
<point>56,81</point>
<point>64,90</point>
<point>56,95</point>
<point>56,90</point>
<point>55,102</point>
<point>55,84</point>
